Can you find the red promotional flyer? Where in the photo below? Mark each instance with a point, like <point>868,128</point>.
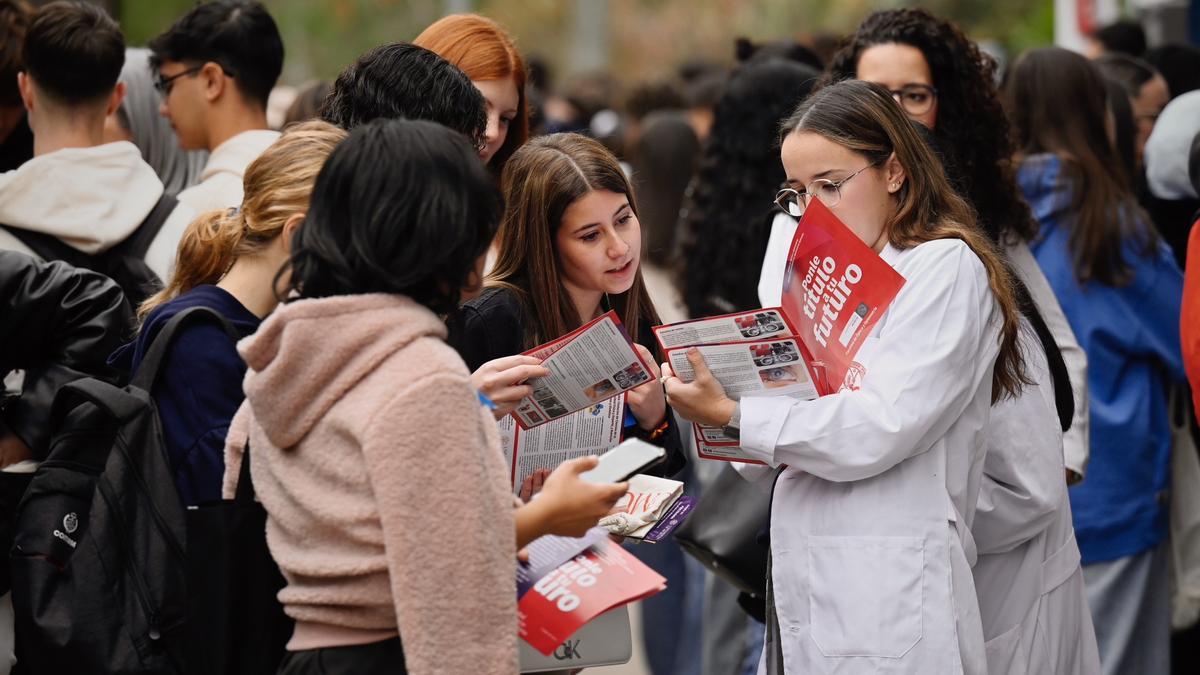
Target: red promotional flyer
<point>835,290</point>
<point>561,600</point>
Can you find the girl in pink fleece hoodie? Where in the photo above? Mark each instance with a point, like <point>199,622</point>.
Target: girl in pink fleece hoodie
<point>389,510</point>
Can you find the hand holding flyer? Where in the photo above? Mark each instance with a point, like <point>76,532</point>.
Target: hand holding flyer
<point>836,289</point>
<point>587,366</point>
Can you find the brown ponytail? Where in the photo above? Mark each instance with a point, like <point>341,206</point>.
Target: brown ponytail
<point>276,186</point>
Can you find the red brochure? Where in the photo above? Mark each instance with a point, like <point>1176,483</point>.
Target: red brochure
<point>835,290</point>
<point>557,602</point>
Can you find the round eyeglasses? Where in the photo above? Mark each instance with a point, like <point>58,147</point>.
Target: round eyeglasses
<point>794,202</point>
<point>916,99</point>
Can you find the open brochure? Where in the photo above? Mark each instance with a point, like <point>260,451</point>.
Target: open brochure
<point>835,290</point>
<point>591,431</point>
<point>651,509</point>
<point>568,582</point>
<point>776,367</point>
<point>587,366</point>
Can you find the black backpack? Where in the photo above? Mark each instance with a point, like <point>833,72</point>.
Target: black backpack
<point>124,263</point>
<point>99,565</point>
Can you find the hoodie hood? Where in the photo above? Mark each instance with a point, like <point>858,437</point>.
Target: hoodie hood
<point>91,198</point>
<point>1044,187</point>
<point>1169,147</point>
<point>309,353</point>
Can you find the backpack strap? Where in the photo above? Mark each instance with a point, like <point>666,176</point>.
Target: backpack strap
<point>147,372</point>
<point>118,403</point>
<point>138,242</point>
<point>47,247</point>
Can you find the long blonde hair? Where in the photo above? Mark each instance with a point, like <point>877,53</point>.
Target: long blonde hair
<point>277,186</point>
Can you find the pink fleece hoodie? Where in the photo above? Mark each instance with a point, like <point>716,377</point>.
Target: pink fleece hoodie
<point>387,500</point>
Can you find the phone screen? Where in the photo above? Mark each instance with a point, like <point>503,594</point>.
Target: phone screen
<point>629,458</point>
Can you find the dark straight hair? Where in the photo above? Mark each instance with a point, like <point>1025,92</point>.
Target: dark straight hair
<point>239,36</point>
<point>1059,104</point>
<point>74,51</point>
<point>401,206</point>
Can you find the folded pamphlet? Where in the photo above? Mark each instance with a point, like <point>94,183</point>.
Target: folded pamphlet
<point>643,506</point>
<point>568,582</point>
<point>587,366</point>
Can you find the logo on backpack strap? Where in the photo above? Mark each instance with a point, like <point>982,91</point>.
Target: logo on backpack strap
<point>70,524</point>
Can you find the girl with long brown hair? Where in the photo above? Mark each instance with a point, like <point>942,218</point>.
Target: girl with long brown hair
<point>871,548</point>
<point>227,261</point>
<point>1121,291</point>
<point>569,249</point>
<point>483,50</point>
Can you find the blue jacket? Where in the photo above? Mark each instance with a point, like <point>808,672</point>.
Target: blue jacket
<point>1131,336</point>
<point>198,390</point>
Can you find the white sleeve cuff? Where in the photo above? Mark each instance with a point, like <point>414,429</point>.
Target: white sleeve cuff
<point>762,421</point>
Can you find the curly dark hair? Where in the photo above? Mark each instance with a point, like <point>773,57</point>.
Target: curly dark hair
<point>972,129</point>
<point>729,217</point>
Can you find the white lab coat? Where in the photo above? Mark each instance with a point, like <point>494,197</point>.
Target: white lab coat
<point>870,541</point>
<point>1075,441</point>
<point>1031,599</point>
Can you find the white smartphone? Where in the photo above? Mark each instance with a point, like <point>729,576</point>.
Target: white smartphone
<point>631,457</point>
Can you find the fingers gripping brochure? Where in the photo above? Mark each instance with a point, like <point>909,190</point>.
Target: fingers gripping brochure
<point>568,582</point>
<point>760,368</point>
<point>587,366</point>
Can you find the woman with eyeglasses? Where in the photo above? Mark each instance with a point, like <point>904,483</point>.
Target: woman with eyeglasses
<point>946,84</point>
<point>870,545</point>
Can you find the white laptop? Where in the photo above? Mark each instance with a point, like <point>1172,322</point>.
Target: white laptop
<point>603,641</point>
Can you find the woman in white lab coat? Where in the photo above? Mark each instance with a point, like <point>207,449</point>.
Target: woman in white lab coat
<point>1030,584</point>
<point>871,550</point>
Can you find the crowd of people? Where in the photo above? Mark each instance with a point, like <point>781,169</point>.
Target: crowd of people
<point>994,496</point>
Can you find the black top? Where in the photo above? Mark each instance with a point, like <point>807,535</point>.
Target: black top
<point>493,325</point>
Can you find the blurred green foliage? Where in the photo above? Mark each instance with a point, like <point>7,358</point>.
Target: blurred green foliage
<point>648,38</point>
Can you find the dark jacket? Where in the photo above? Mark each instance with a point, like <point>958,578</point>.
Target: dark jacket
<point>58,323</point>
<point>199,388</point>
<point>493,325</point>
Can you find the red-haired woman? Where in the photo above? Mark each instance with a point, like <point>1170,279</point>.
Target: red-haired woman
<point>485,52</point>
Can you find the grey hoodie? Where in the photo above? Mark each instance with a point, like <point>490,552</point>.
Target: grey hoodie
<point>91,198</point>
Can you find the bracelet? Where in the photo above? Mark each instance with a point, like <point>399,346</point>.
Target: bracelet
<point>657,432</point>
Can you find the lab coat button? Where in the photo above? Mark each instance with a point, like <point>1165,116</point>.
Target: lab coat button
<point>794,629</point>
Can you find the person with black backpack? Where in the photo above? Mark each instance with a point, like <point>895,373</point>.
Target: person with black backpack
<point>93,204</point>
<point>227,262</point>
<point>59,324</point>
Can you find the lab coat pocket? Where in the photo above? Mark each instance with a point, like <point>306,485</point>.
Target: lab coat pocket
<point>866,594</point>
